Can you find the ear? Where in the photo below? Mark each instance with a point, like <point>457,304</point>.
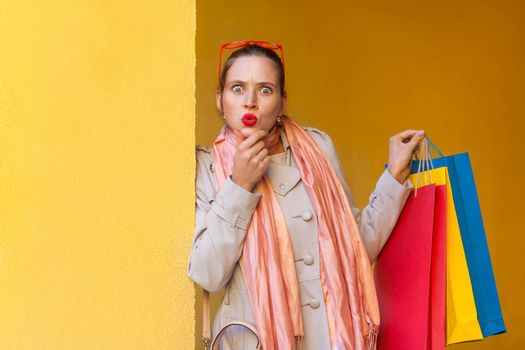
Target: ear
<point>218,100</point>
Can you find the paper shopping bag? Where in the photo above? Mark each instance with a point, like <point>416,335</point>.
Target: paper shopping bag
<point>474,240</point>
<point>405,271</point>
<point>461,315</point>
<point>437,339</point>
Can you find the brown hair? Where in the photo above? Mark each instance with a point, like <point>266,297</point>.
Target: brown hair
<point>254,50</point>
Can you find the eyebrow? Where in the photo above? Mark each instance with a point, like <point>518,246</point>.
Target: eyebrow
<point>259,83</point>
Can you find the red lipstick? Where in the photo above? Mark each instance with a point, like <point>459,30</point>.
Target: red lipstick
<point>249,119</point>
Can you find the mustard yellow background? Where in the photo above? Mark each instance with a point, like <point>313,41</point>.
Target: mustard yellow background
<point>365,70</point>
<point>97,106</point>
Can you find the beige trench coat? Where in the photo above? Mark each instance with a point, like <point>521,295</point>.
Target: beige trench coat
<point>222,219</point>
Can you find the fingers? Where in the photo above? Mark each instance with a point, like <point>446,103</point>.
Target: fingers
<point>255,149</point>
<point>414,142</point>
<point>260,156</point>
<point>264,163</point>
<point>405,136</point>
<point>408,136</point>
<point>251,158</point>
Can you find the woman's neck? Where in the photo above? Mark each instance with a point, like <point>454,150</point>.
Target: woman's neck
<point>273,141</point>
<point>278,149</point>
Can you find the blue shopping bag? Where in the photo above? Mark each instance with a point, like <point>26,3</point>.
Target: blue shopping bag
<point>474,240</point>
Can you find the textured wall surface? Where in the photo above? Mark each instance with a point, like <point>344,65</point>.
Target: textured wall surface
<point>96,174</point>
<point>365,70</point>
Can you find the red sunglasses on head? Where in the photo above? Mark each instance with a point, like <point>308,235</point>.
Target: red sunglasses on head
<point>242,43</point>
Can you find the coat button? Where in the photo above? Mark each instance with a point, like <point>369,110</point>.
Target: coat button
<point>307,216</point>
<point>308,259</point>
<point>281,186</point>
<point>314,304</point>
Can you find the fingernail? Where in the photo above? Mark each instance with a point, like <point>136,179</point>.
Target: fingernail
<point>420,133</point>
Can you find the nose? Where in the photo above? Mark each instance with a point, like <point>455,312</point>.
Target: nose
<point>250,99</point>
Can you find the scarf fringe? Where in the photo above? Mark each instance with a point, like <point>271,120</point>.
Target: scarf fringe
<point>371,341</point>
<point>299,342</point>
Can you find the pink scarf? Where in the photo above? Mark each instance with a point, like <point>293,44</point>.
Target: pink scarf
<point>268,264</point>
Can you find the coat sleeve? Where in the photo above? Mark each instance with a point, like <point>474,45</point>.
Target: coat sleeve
<point>222,219</point>
<point>377,220</point>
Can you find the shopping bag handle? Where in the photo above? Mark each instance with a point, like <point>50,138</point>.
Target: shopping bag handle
<point>426,163</point>
<point>433,146</point>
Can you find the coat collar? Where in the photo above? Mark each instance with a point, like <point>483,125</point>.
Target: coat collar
<point>284,139</point>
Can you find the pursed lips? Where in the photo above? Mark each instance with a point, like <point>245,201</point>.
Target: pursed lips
<point>249,119</point>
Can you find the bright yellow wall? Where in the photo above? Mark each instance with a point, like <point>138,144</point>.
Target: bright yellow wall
<point>96,174</point>
<point>364,70</point>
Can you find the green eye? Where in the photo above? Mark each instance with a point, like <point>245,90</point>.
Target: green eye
<point>237,88</point>
<point>266,90</point>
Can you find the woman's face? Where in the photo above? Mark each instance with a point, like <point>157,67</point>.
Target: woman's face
<point>251,87</point>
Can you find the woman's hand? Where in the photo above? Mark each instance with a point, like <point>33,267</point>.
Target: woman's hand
<point>401,148</point>
<point>251,160</point>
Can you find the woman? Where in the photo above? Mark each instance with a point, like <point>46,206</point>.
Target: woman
<point>276,224</point>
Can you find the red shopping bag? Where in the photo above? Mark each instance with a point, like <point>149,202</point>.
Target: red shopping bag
<point>438,275</point>
<point>410,275</point>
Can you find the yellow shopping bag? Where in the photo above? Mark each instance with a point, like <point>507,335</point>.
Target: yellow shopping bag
<point>461,314</point>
